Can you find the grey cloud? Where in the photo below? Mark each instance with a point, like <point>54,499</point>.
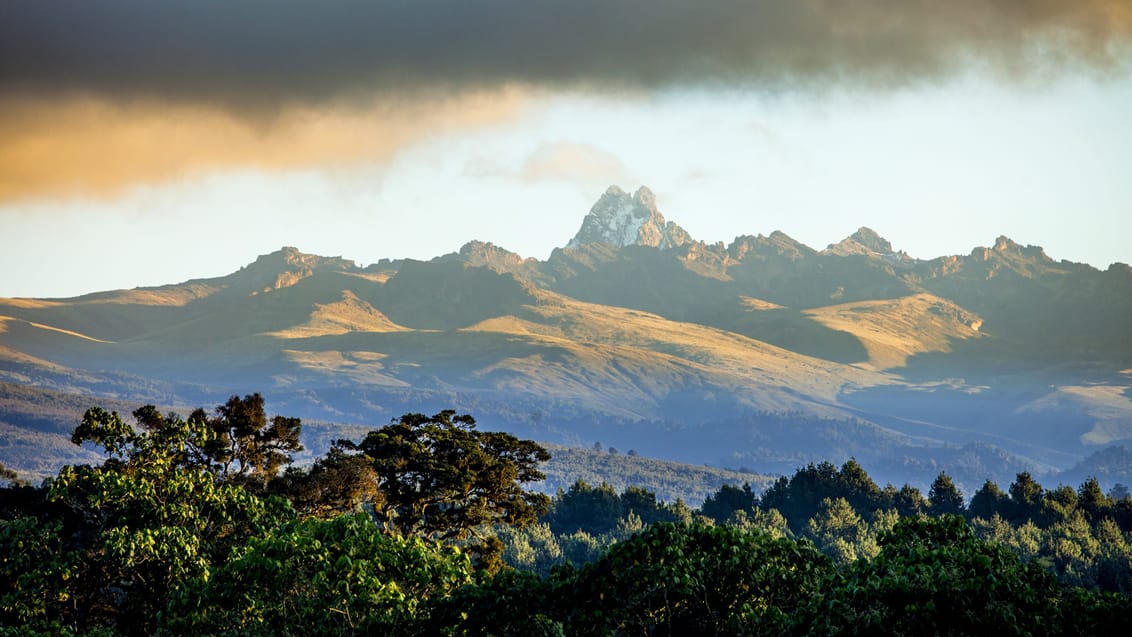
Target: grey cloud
<point>268,51</point>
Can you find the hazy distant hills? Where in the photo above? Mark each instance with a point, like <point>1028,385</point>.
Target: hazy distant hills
<point>763,353</point>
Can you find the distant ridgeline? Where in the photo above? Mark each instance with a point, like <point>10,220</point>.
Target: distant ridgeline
<point>761,353</point>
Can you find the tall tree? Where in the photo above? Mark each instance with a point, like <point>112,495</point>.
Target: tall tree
<point>988,501</point>
<point>1025,497</point>
<point>440,477</point>
<point>243,445</point>
<point>1092,500</point>
<point>722,504</point>
<point>137,525</point>
<point>944,496</point>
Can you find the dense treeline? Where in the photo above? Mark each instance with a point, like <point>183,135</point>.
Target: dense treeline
<point>200,526</point>
<point>1083,535</point>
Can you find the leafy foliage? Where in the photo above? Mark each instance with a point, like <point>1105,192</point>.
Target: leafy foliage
<point>242,445</point>
<point>175,532</point>
<point>693,580</point>
<point>439,477</point>
<point>934,577</point>
<point>127,532</point>
<point>319,577</point>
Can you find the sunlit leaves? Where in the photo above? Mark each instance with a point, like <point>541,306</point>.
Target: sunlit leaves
<point>320,577</point>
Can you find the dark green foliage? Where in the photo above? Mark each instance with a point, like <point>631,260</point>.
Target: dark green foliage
<point>439,477</point>
<point>582,507</point>
<point>1093,501</point>
<point>244,446</point>
<point>126,533</point>
<point>336,484</point>
<point>1025,498</point>
<point>174,533</point>
<point>319,577</point>
<point>724,503</point>
<point>510,604</point>
<point>945,497</point>
<point>988,501</point>
<point>598,510</point>
<point>38,568</point>
<point>693,580</point>
<point>800,496</point>
<point>908,500</point>
<point>934,577</point>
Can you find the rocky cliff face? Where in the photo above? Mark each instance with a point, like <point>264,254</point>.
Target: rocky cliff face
<point>620,219</point>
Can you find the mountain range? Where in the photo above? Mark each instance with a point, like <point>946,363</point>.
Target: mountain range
<point>763,353</point>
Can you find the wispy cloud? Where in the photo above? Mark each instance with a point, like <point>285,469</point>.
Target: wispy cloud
<point>97,147</point>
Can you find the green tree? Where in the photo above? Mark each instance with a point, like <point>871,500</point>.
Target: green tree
<point>722,504</point>
<point>838,530</point>
<point>1058,505</point>
<point>643,502</point>
<point>441,478</point>
<point>339,483</point>
<point>988,501</point>
<point>908,500</point>
<point>510,604</point>
<point>585,508</point>
<point>1069,544</point>
<point>38,571</point>
<point>143,522</point>
<point>934,577</point>
<point>1025,498</point>
<point>320,577</point>
<point>1093,500</point>
<point>580,548</point>
<point>800,496</point>
<point>534,548</point>
<point>944,496</point>
<point>243,445</point>
<point>691,580</point>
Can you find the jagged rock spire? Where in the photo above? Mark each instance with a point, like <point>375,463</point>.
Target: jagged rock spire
<point>621,219</point>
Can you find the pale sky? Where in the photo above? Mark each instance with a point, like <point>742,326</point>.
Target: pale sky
<point>940,133</point>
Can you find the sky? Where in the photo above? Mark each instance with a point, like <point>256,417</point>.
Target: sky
<point>145,143</point>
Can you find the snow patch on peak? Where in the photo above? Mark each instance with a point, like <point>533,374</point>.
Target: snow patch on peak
<point>621,220</point>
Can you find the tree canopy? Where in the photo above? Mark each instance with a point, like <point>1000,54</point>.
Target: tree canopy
<point>442,478</point>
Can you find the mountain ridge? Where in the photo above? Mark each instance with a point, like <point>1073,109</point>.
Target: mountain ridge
<point>633,330</point>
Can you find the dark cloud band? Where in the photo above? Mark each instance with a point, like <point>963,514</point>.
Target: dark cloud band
<point>280,50</point>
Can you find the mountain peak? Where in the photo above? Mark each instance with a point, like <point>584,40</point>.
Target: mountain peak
<point>1006,247</point>
<point>863,241</point>
<point>285,267</point>
<point>621,219</point>
<point>871,240</point>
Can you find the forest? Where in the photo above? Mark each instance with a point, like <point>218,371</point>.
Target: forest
<point>427,526</point>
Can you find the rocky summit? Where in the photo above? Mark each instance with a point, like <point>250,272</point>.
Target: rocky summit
<point>620,220</point>
<point>763,353</point>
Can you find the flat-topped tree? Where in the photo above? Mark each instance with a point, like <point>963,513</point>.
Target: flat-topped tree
<point>440,477</point>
